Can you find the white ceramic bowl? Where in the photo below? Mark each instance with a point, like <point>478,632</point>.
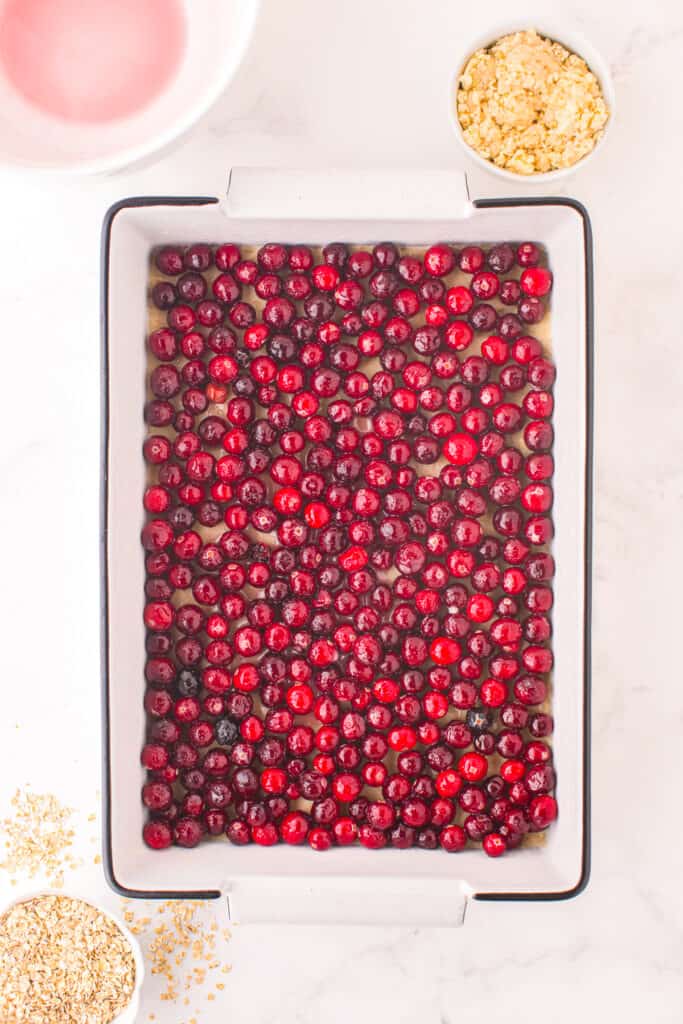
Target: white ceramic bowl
<point>129,1013</point>
<point>573,41</point>
<point>218,33</point>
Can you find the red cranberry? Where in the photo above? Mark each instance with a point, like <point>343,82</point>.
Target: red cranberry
<point>158,835</point>
<point>439,260</point>
<point>187,831</point>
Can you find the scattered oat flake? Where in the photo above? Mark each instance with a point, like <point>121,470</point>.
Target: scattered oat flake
<point>39,839</point>
<point>62,961</point>
<point>180,946</point>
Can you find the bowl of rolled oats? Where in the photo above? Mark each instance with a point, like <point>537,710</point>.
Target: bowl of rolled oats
<point>67,961</point>
<point>528,106</point>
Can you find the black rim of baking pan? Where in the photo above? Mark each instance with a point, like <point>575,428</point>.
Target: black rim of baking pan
<point>200,894</point>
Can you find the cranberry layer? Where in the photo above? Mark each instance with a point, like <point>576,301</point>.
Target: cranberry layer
<point>348,521</point>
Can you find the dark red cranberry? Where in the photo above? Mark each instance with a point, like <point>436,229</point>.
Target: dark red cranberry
<point>187,831</point>
<point>501,258</point>
<point>163,295</point>
<point>385,254</point>
<point>169,260</point>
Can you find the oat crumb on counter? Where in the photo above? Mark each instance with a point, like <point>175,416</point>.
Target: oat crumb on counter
<point>39,839</point>
<point>181,947</point>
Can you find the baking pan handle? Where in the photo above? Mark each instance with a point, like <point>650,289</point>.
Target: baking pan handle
<point>392,195</point>
<point>370,901</point>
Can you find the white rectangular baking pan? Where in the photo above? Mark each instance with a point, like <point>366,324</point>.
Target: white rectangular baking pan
<point>344,884</point>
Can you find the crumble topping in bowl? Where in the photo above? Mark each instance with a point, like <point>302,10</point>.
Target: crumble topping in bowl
<point>529,105</point>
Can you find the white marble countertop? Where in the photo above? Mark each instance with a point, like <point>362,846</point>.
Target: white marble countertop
<point>365,83</point>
